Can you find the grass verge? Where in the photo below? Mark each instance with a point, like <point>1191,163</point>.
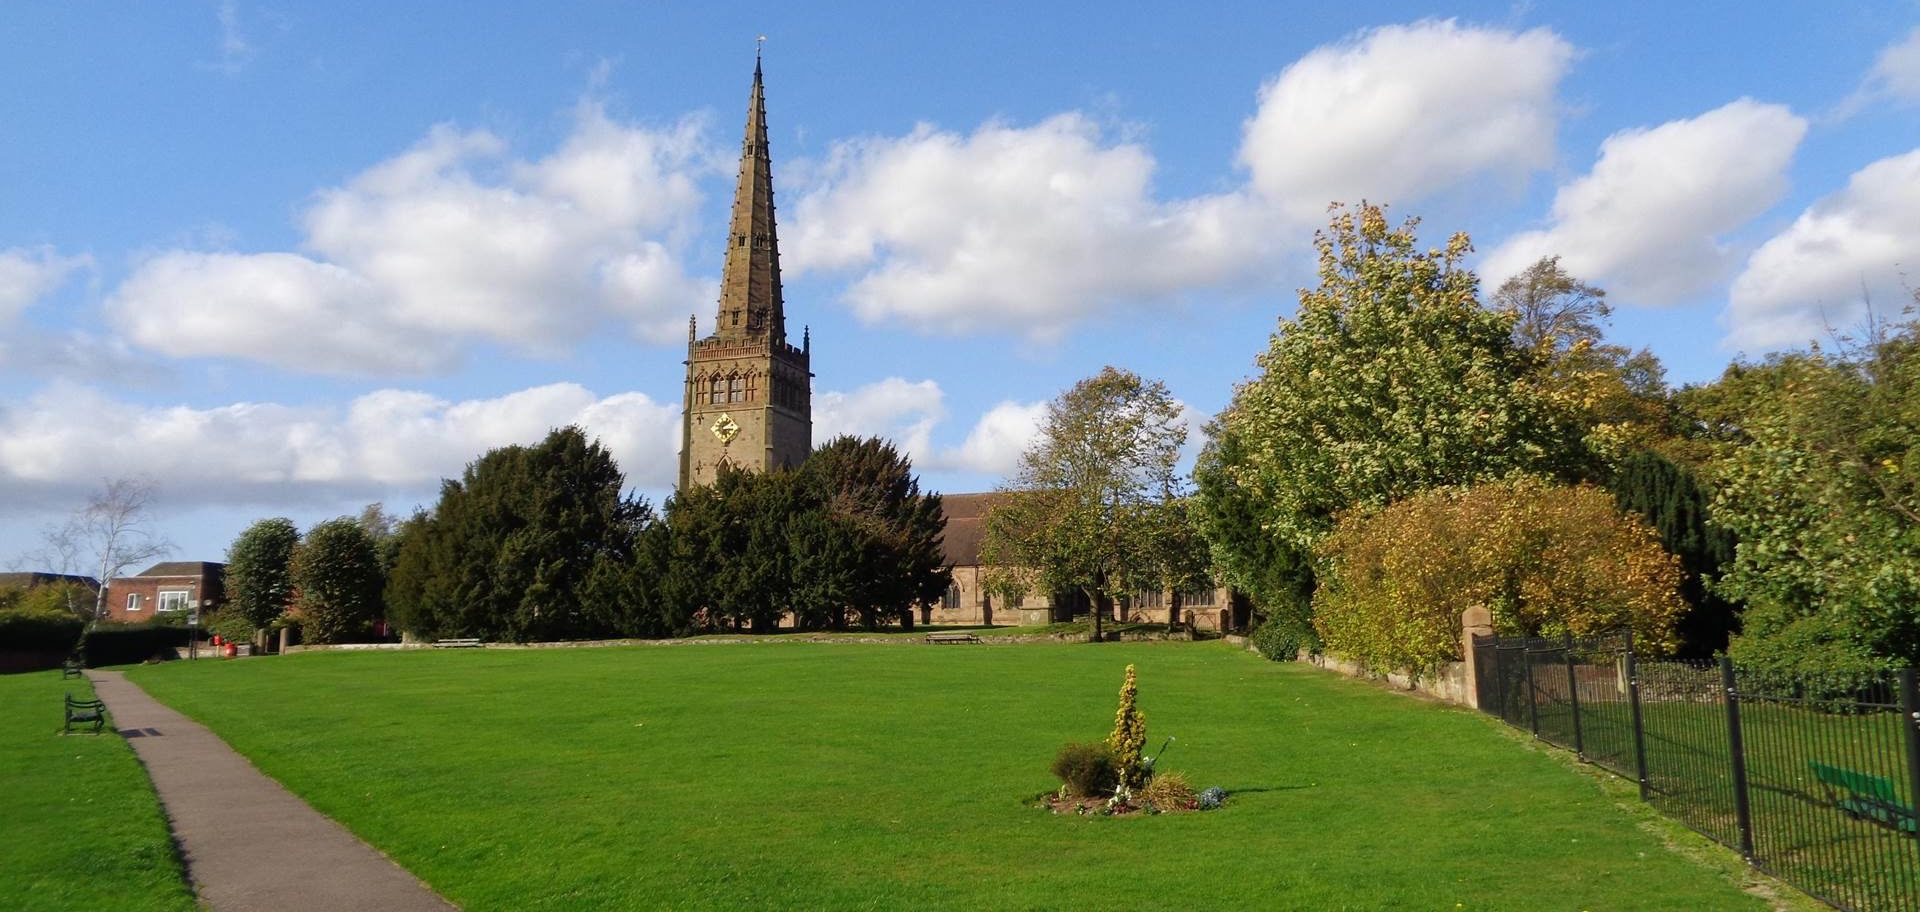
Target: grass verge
<point>827,777</point>
<point>79,822</point>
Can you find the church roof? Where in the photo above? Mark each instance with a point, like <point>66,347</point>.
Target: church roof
<point>966,525</point>
<point>750,296</point>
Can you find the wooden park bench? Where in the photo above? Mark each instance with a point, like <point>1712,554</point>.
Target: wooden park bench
<point>952,638</point>
<point>457,643</point>
<point>80,712</point>
<point>1864,796</point>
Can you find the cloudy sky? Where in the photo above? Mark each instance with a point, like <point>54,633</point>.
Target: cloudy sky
<point>292,258</point>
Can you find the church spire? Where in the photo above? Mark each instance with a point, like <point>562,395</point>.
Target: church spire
<point>750,300</point>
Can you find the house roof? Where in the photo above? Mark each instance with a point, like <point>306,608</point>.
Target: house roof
<point>966,526</point>
<point>184,568</point>
<point>31,578</point>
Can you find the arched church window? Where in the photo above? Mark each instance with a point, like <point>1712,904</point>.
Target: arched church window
<point>714,391</point>
<point>736,389</point>
<point>753,386</point>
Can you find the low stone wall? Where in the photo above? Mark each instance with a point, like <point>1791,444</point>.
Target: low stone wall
<point>1452,683</point>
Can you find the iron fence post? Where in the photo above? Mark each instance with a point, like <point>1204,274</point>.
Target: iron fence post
<point>1533,696</point>
<point>1742,810</point>
<point>1573,699</point>
<point>1639,730</point>
<point>1910,711</point>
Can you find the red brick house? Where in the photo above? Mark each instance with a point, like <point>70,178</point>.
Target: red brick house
<point>167,588</point>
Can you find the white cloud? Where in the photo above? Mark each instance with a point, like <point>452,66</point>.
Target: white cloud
<point>994,445</point>
<point>1399,112</point>
<point>67,437</point>
<point>902,411</point>
<point>1649,221</point>
<point>29,274</point>
<point>1897,71</point>
<point>1027,229</point>
<point>447,243</point>
<point>1862,239</point>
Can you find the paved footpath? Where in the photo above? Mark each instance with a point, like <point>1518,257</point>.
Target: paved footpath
<point>250,844</point>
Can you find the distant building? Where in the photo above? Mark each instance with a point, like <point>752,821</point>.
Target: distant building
<point>968,602</point>
<point>167,588</point>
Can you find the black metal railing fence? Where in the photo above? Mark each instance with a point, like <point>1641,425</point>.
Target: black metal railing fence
<point>1813,779</point>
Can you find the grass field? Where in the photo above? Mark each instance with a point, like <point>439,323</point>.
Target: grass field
<point>79,825</point>
<point>840,776</point>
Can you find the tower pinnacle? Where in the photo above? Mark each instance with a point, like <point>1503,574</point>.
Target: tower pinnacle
<point>750,298</point>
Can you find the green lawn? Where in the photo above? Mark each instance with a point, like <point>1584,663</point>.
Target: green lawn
<point>837,776</point>
<point>79,826</point>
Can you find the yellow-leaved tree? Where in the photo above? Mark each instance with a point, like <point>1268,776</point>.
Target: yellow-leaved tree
<point>1544,558</point>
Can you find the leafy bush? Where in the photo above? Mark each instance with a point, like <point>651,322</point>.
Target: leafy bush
<point>1086,769</point>
<point>126,644</point>
<point>1212,798</point>
<point>1169,791</point>
<point>1278,640</point>
<point>40,632</point>
<point>1546,559</point>
<point>228,624</point>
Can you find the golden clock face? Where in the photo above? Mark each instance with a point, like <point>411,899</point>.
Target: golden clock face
<point>724,427</point>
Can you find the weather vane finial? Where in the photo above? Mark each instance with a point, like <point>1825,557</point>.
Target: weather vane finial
<point>758,43</point>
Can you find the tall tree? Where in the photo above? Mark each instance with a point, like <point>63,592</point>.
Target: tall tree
<point>1614,398</point>
<point>1389,379</point>
<point>111,533</point>
<point>875,547</point>
<point>337,572</point>
<point>1820,482</point>
<point>259,578</point>
<point>1672,501</point>
<point>1083,498</point>
<point>1276,574</point>
<point>508,549</point>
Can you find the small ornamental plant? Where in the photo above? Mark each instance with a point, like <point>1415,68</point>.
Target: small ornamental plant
<point>1129,736</point>
<point>1085,771</point>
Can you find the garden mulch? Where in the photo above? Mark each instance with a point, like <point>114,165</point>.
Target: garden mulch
<point>248,843</point>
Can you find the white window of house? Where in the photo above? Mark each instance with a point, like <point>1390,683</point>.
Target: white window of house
<point>133,601</point>
<point>174,600</point>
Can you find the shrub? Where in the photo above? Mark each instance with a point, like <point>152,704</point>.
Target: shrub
<point>126,644</point>
<point>1087,770</point>
<point>40,632</point>
<point>1129,735</point>
<point>228,624</point>
<point>1546,559</point>
<point>1278,640</point>
<point>1212,798</point>
<point>1169,791</point>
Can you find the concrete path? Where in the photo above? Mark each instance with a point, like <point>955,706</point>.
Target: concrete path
<point>250,844</point>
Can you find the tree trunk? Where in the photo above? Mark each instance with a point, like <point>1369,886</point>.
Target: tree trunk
<point>1173,610</point>
<point>1096,609</point>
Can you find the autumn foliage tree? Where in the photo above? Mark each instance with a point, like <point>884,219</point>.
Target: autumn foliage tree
<point>1545,559</point>
<point>1390,379</point>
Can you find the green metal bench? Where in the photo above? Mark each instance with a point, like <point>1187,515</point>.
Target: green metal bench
<point>72,668</point>
<point>80,712</point>
<point>1864,796</point>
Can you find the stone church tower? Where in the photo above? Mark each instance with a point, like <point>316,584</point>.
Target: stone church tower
<point>749,397</point>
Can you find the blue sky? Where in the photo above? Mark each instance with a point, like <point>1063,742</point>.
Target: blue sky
<point>291,259</point>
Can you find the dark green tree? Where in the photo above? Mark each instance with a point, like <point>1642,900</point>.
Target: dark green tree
<point>507,551</point>
<point>1671,500</point>
<point>337,573</point>
<point>1274,574</point>
<point>259,578</point>
<point>865,539</point>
